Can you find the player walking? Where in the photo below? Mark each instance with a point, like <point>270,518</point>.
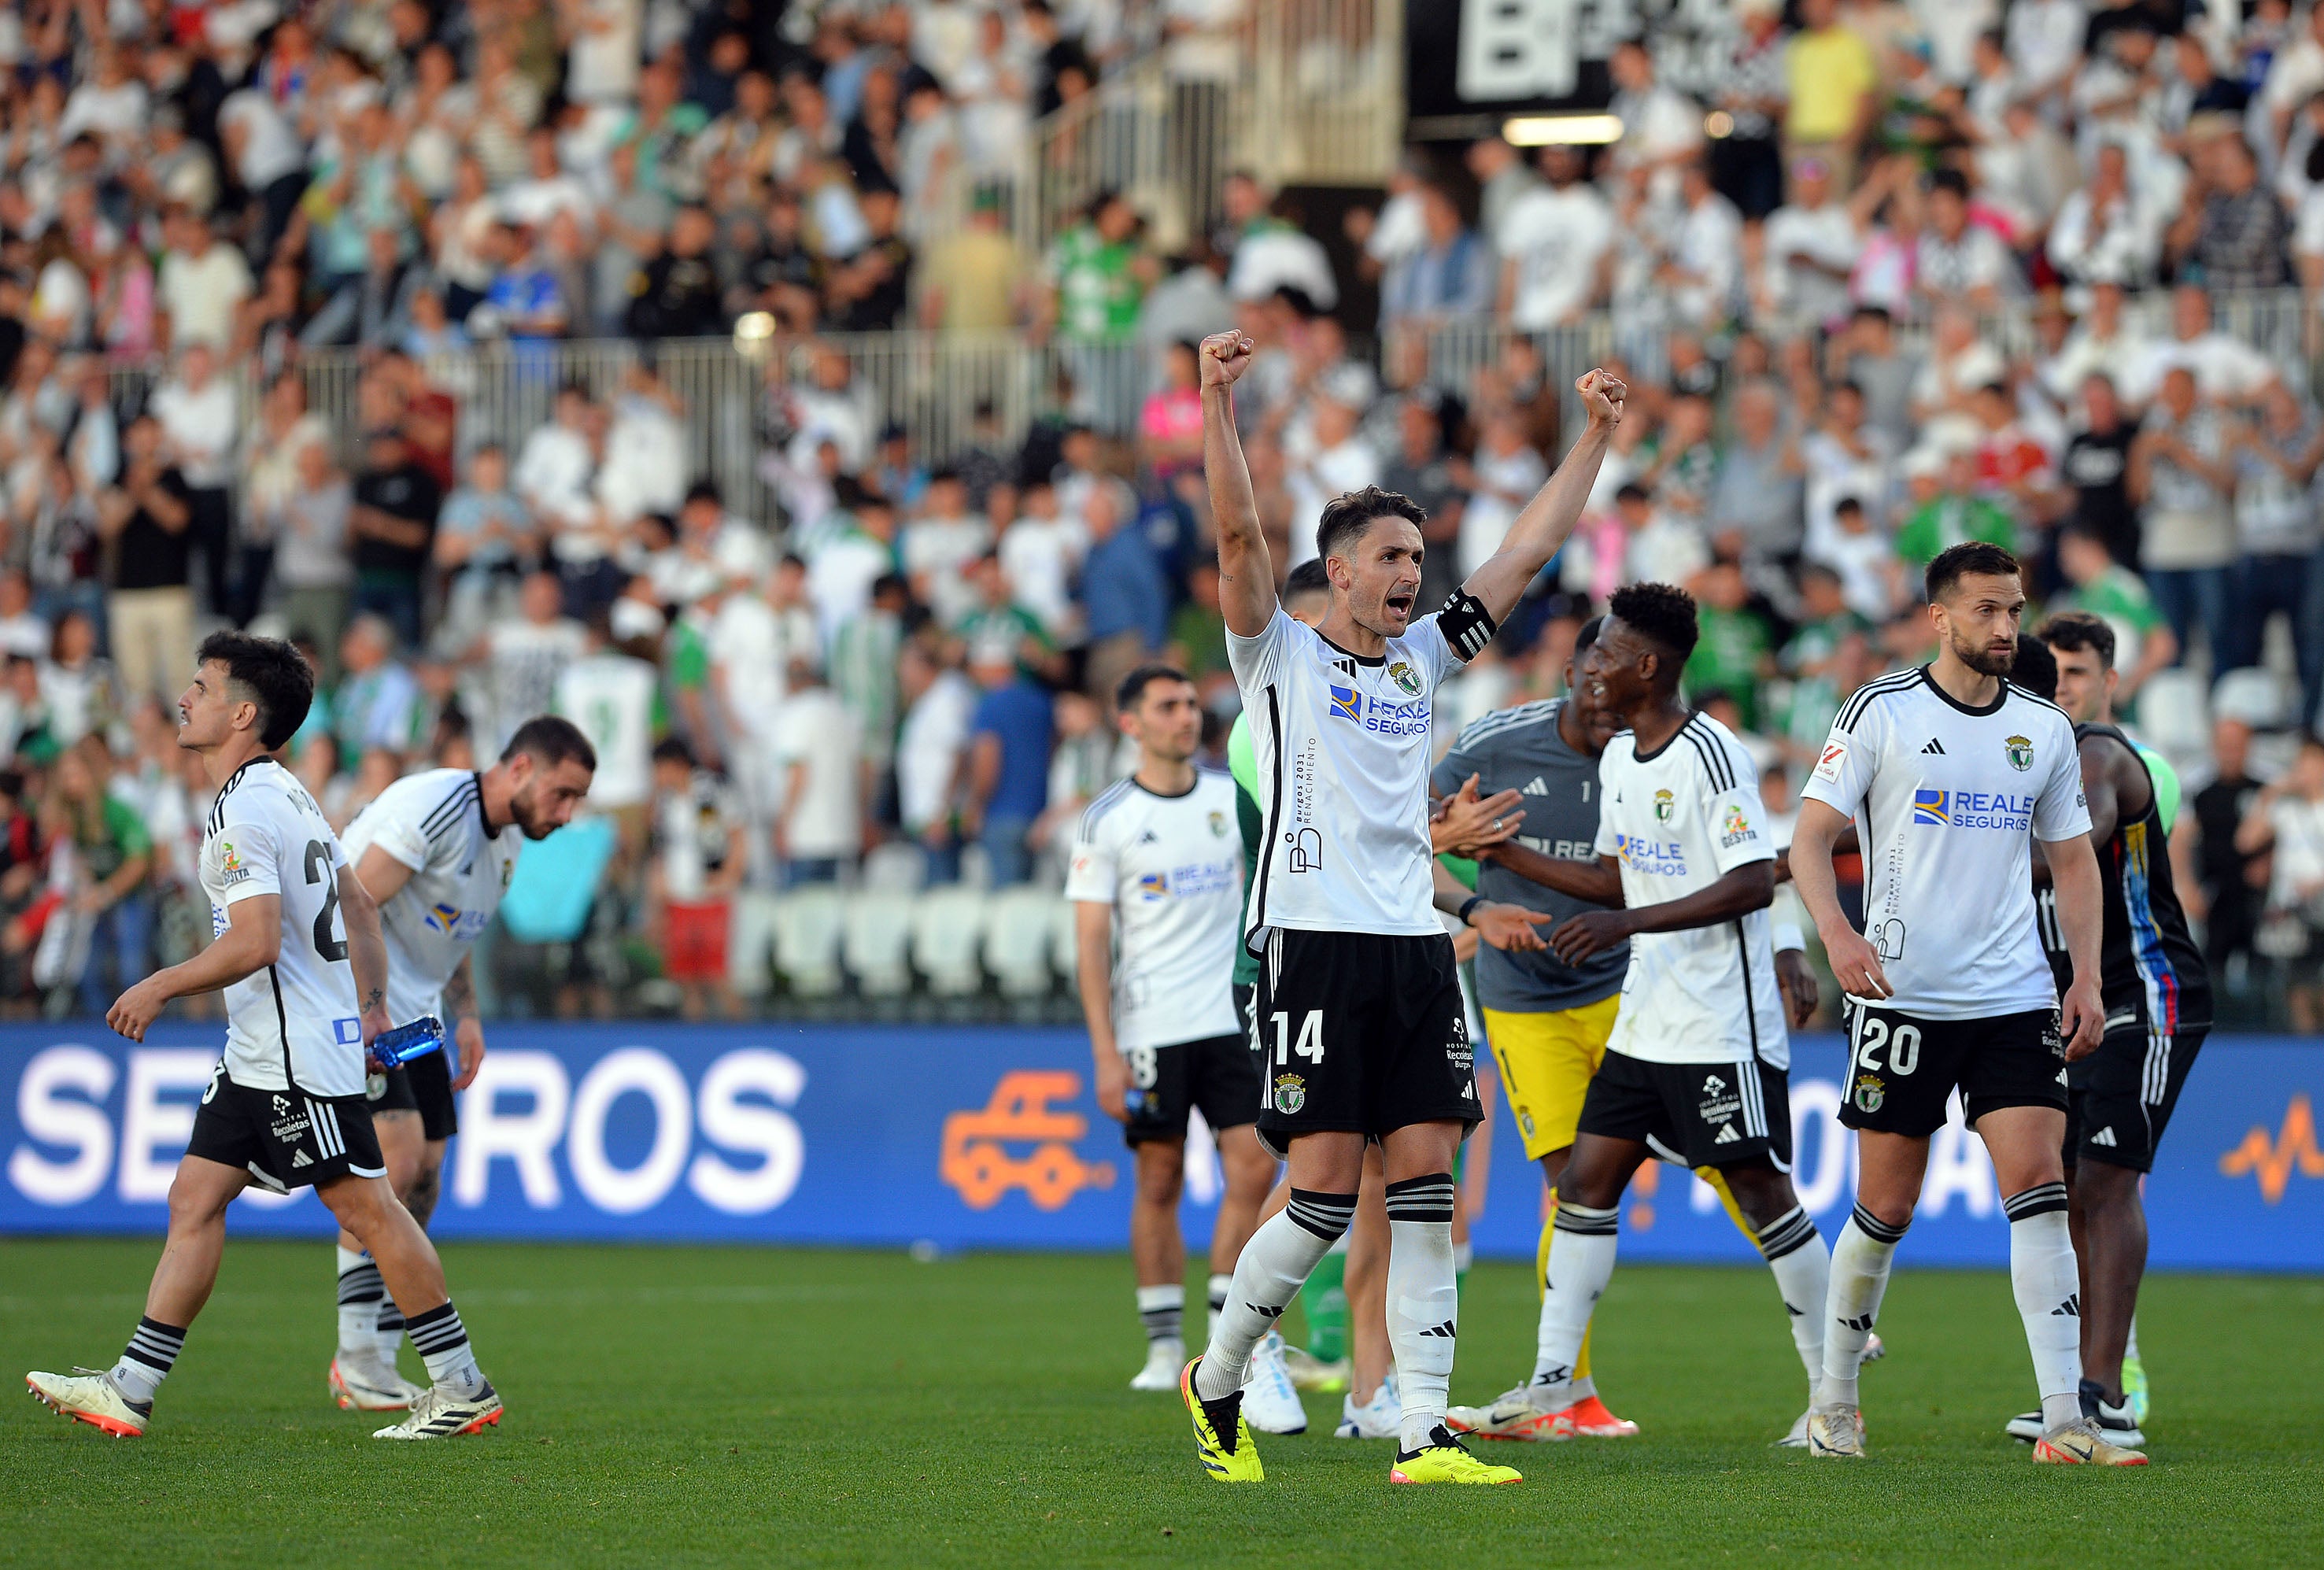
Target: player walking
<point>1157,885</point>
<point>1951,765</point>
<point>1549,1022</point>
<point>1696,1067</point>
<point>1359,1010</point>
<point>434,851</point>
<point>2157,992</point>
<point>296,942</point>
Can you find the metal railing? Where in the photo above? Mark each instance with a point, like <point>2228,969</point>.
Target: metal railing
<point>933,386</point>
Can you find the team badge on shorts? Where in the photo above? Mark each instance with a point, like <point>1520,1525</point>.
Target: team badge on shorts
<point>1870,1092</point>
<point>2021,752</point>
<point>1290,1093</point>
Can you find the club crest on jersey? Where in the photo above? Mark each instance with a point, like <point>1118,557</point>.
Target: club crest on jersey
<point>1405,677</point>
<point>1870,1092</point>
<point>1664,806</point>
<point>1218,826</point>
<point>1348,703</point>
<point>1290,1093</point>
<point>2020,751</point>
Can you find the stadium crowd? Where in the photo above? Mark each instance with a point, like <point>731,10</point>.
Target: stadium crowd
<point>896,664</point>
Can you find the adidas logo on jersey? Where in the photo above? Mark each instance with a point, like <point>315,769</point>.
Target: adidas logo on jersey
<point>1148,837</point>
<point>1538,787</point>
<point>1934,746</point>
<point>2105,1136</point>
<point>298,1159</point>
<point>1726,1135</point>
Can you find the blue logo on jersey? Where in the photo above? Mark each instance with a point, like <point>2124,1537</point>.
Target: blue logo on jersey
<point>1155,885</point>
<point>1654,858</point>
<point>348,1032</point>
<point>1973,809</point>
<point>1348,703</point>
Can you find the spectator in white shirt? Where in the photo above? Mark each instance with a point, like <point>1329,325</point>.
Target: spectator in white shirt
<point>1040,552</point>
<point>1960,262</point>
<point>2228,370</point>
<point>1808,246</point>
<point>200,423</point>
<point>930,750</point>
<point>202,280</point>
<point>1706,253</point>
<point>1661,131</point>
<point>1555,241</point>
<point>826,783</point>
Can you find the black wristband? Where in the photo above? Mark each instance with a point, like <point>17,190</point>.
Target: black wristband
<point>1468,904</point>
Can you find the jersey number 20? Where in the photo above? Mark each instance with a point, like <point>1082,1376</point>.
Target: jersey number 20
<point>319,870</point>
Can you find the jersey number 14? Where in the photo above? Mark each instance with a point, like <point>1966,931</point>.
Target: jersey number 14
<point>1310,1042</point>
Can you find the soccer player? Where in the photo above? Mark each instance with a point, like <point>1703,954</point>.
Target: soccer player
<point>1955,770</point>
<point>1359,1010</point>
<point>297,950</point>
<point>1696,1067</point>
<point>2157,994</point>
<point>434,851</point>
<point>1156,880</point>
<point>1548,1023</point>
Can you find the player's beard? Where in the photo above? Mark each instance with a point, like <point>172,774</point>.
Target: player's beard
<point>524,807</point>
<point>1986,660</point>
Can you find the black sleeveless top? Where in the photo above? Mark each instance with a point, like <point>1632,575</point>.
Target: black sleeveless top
<point>2149,971</point>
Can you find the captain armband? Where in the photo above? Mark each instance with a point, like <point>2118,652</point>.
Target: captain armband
<point>1466,625</point>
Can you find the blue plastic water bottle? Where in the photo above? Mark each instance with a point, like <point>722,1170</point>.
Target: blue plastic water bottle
<point>393,1048</point>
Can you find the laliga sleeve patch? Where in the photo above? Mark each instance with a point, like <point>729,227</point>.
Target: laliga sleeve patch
<point>1835,757</point>
<point>1466,625</point>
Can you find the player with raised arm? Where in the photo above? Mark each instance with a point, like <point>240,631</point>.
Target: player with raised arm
<point>1359,1010</point>
<point>296,949</point>
<point>1696,1069</point>
<point>1549,1022</point>
<point>434,851</point>
<point>2157,992</point>
<point>1156,879</point>
<point>1952,771</point>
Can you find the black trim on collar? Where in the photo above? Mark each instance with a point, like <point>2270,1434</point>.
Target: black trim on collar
<point>1658,752</point>
<point>1375,659</point>
<point>1990,710</point>
<point>1170,795</point>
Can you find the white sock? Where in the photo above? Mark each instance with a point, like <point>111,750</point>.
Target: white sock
<point>443,1344</point>
<point>2043,1276</point>
<point>1424,1300</point>
<point>1802,1269</point>
<point>389,1331</point>
<point>1162,1310</point>
<point>152,1351</point>
<point>1859,1275</point>
<point>1275,1264</point>
<point>1581,1263</point>
<point>2130,1347</point>
<point>1220,1286</point>
<point>361,1292</point>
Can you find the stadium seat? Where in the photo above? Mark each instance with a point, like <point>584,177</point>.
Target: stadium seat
<point>2253,696</point>
<point>2173,713</point>
<point>877,941</point>
<point>809,925</point>
<point>1019,927</point>
<point>947,930</point>
<point>895,868</point>
<point>749,941</point>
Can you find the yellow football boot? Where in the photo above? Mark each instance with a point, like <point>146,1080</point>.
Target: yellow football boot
<point>1230,1458</point>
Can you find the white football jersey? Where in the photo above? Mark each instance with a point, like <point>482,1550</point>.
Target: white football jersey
<point>1343,752</point>
<point>1679,819</point>
<point>1171,866</point>
<point>434,823</point>
<point>292,1025</point>
<point>1944,798</point>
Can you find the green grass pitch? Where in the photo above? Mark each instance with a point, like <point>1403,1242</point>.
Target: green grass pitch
<point>716,1406</point>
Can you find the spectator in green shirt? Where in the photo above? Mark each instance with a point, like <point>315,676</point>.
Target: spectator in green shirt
<point>115,851</point>
<point>1950,512</point>
<point>2106,588</point>
<point>1735,649</point>
<point>1099,272</point>
<point>1000,622</point>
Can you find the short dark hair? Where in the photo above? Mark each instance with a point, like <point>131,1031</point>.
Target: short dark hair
<point>1345,517</point>
<point>1131,690</point>
<point>1588,635</point>
<point>276,676</point>
<point>1969,556</point>
<point>673,750</point>
<point>550,740</point>
<point>1663,615</point>
<point>1952,179</point>
<point>2075,631</point>
<point>1309,578</point>
<point>2036,668</point>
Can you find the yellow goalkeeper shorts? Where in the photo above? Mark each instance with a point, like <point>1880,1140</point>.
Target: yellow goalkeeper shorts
<point>1548,1061</point>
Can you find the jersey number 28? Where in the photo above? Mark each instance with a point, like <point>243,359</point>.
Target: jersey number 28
<point>319,870</point>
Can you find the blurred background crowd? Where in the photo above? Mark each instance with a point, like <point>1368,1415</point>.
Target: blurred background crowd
<point>801,397</point>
